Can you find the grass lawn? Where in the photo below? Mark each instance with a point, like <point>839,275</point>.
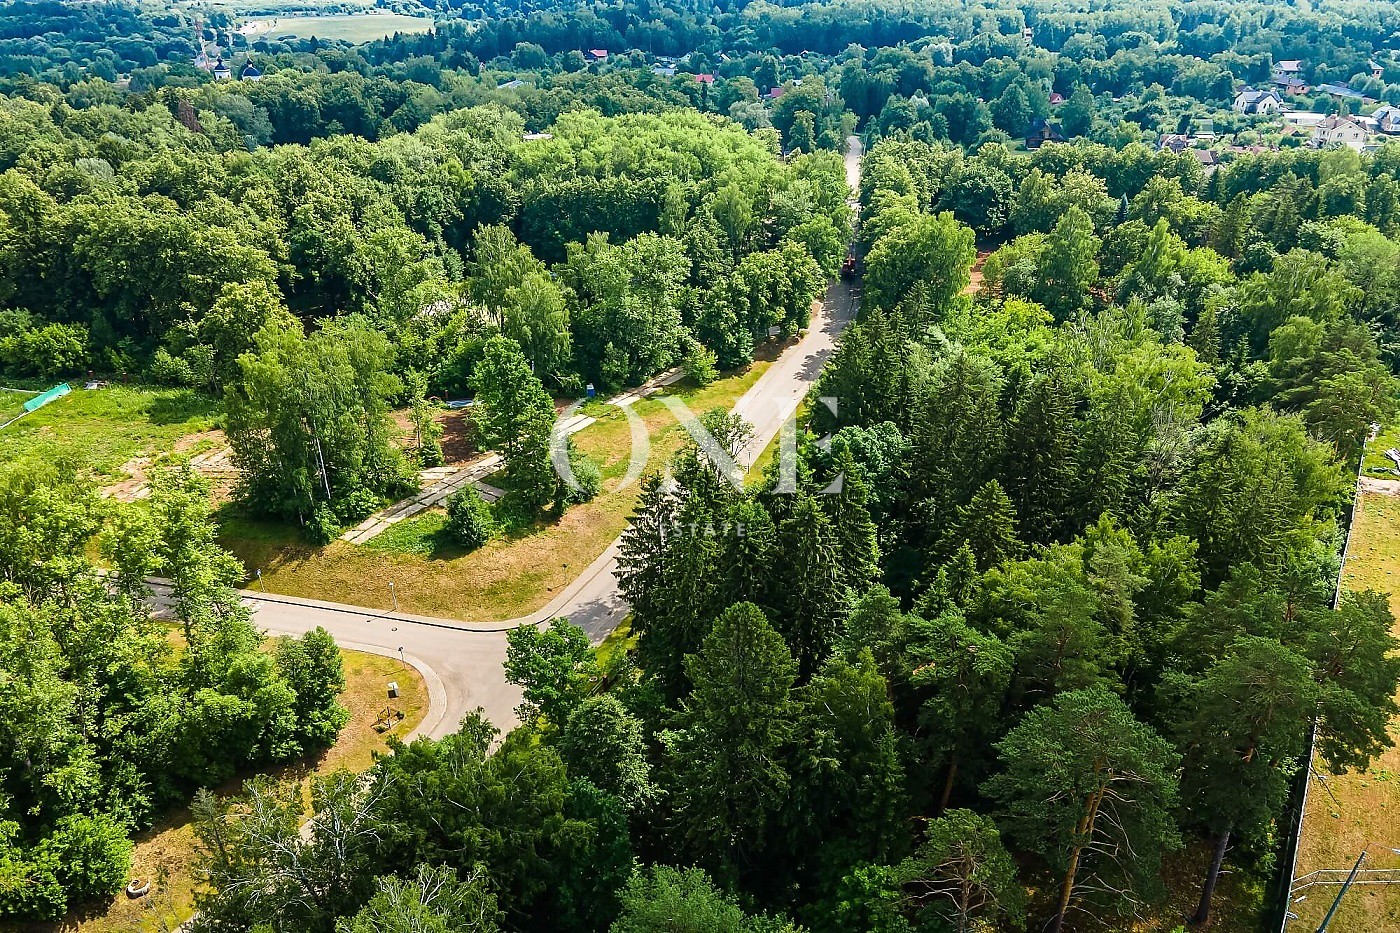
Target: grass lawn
<point>1375,462</point>
<point>508,577</point>
<point>619,641</point>
<point>102,429</point>
<point>166,851</point>
<point>423,536</point>
<point>770,452</point>
<point>1355,811</point>
<point>353,28</point>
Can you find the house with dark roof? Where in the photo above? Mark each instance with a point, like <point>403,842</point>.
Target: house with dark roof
<point>1042,131</point>
<point>251,72</point>
<point>1288,76</point>
<point>1255,103</point>
<point>1387,119</point>
<point>1208,159</point>
<point>1175,142</point>
<point>221,71</point>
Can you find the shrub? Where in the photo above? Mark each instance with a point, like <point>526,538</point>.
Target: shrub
<point>700,363</point>
<point>31,890</point>
<point>171,370</point>
<point>50,351</point>
<point>324,527</point>
<point>357,504</point>
<point>469,519</point>
<point>430,453</point>
<point>91,855</point>
<point>587,476</point>
<point>590,479</point>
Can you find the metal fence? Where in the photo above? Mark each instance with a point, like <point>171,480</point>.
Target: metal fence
<point>1288,884</point>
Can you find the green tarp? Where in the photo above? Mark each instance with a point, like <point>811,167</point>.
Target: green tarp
<point>44,398</point>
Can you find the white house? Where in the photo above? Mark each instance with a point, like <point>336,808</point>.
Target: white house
<point>1342,131</point>
<point>1250,101</point>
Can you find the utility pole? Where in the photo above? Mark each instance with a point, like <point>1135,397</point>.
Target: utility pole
<point>1331,911</point>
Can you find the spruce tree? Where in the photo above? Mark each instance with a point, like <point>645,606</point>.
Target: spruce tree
<point>858,551</point>
<point>812,597</point>
<point>1040,454</point>
<point>727,762</point>
<point>987,525</point>
<point>958,435</point>
<point>643,554</point>
<point>747,570</point>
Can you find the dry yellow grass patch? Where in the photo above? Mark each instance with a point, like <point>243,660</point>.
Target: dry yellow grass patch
<point>1352,812</point>
<point>508,577</point>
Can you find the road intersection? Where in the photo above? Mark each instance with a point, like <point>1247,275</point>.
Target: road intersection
<point>461,662</point>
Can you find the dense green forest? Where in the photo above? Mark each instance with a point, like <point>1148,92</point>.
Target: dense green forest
<point>1052,600</point>
<point>106,723</point>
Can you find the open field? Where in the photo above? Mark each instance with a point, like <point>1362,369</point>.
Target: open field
<point>509,576</point>
<point>1355,811</point>
<point>166,851</point>
<point>102,429</point>
<point>353,28</point>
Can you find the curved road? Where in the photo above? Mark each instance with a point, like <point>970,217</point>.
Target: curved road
<point>461,662</point>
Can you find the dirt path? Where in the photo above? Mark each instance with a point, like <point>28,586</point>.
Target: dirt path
<point>212,462</point>
<point>975,284</point>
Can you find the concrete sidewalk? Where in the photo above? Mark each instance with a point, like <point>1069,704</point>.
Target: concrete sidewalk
<point>434,493</point>
<point>442,482</point>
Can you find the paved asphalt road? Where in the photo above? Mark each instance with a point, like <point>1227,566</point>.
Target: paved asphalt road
<point>461,662</point>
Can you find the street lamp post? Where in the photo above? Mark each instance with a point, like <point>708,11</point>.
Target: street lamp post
<point>394,597</point>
